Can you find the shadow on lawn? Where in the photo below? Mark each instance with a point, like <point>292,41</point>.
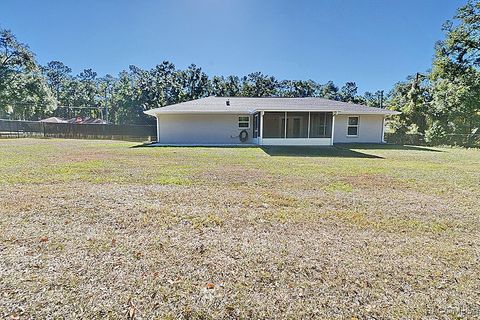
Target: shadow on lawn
<point>337,151</point>
<point>300,151</point>
<point>385,146</point>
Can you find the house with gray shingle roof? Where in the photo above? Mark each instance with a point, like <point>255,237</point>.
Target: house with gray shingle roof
<point>268,121</point>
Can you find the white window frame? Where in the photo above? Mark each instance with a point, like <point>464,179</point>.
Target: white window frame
<point>353,125</point>
<point>243,121</point>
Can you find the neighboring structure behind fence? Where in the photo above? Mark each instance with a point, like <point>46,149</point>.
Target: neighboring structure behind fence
<point>15,128</point>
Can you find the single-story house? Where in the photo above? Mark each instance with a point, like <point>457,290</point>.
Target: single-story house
<point>268,121</point>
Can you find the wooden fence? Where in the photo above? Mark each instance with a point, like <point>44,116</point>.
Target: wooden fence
<point>18,129</point>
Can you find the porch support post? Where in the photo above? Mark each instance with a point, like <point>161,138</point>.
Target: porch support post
<point>260,134</point>
<point>308,130</point>
<point>285,132</point>
<point>333,128</point>
<point>383,130</point>
<point>158,128</point>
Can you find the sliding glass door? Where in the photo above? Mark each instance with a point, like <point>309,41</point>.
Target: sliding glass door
<point>297,124</point>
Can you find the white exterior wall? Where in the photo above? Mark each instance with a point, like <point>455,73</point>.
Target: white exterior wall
<point>201,129</point>
<point>370,129</point>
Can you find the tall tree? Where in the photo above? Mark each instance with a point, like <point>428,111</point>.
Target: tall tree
<point>57,75</point>
<point>455,74</point>
<point>24,93</point>
<point>348,93</point>
<point>126,104</point>
<point>259,85</point>
<point>412,99</point>
<point>195,83</point>
<point>373,99</point>
<point>329,91</point>
<point>89,94</point>
<point>297,88</point>
<point>106,87</point>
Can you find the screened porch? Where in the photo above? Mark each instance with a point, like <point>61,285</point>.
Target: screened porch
<point>289,128</point>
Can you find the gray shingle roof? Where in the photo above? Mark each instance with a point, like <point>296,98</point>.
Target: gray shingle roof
<point>241,105</point>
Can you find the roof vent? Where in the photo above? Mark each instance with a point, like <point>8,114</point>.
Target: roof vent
<point>227,103</point>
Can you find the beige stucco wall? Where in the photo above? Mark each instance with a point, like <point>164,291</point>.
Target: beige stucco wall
<point>201,129</point>
<point>369,131</point>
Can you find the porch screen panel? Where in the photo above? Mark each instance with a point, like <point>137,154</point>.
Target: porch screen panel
<point>256,125</point>
<point>297,124</point>
<point>320,125</point>
<point>274,125</point>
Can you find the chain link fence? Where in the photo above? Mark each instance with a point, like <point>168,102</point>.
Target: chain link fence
<point>19,129</point>
<point>464,140</point>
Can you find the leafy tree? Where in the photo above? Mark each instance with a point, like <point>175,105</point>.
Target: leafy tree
<point>259,85</point>
<point>57,75</point>
<point>126,107</point>
<point>348,93</point>
<point>436,133</point>
<point>218,86</point>
<point>88,94</point>
<point>462,43</point>
<point>455,74</point>
<point>297,88</point>
<point>106,86</point>
<point>24,93</point>
<point>225,87</point>
<point>232,86</point>
<point>329,91</point>
<point>373,99</point>
<point>412,99</point>
<point>195,83</point>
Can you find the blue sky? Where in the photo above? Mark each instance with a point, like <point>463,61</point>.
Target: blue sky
<point>372,42</point>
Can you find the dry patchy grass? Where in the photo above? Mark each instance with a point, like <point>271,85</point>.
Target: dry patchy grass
<point>97,229</point>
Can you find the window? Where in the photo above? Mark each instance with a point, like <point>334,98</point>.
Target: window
<point>352,128</point>
<point>243,122</point>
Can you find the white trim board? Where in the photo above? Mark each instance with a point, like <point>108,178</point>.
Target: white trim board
<point>296,142</point>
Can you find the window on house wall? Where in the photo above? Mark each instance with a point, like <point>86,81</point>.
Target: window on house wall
<point>243,122</point>
<point>352,128</point>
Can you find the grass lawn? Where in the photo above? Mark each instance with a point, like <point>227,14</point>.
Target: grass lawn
<point>104,229</point>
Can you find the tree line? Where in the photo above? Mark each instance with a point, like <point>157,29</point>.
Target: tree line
<point>445,99</point>
<point>30,91</point>
<point>442,100</point>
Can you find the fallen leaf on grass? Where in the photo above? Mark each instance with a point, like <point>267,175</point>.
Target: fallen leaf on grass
<point>210,285</point>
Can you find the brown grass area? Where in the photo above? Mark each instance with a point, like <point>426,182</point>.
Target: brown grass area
<point>96,229</point>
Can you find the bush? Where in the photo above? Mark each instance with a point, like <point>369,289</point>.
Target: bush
<point>436,134</point>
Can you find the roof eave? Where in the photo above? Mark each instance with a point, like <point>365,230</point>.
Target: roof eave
<point>155,113</point>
